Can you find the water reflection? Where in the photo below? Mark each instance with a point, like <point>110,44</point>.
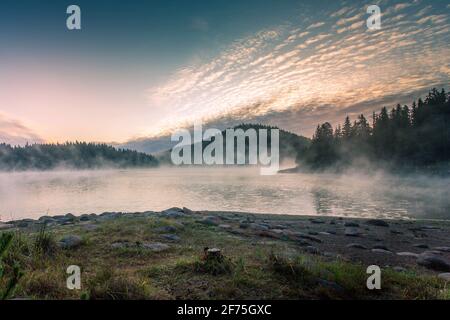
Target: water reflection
<point>35,194</point>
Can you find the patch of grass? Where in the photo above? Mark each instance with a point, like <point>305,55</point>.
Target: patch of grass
<point>45,243</point>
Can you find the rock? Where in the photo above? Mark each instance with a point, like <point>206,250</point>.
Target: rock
<point>316,221</point>
<point>407,254</point>
<point>377,222</point>
<point>356,246</point>
<point>120,244</point>
<point>5,226</point>
<point>91,227</point>
<point>209,221</point>
<point>351,224</point>
<point>381,251</point>
<point>352,232</point>
<point>331,232</point>
<point>444,276</point>
<point>421,245</point>
<point>428,227</point>
<point>323,233</point>
<point>85,217</point>
<point>225,226</point>
<point>171,237</point>
<point>188,211</point>
<point>166,229</point>
<point>313,233</point>
<point>307,237</point>
<point>258,226</point>
<point>433,262</point>
<point>396,232</point>
<point>382,247</point>
<point>155,246</point>
<point>70,242</point>
<point>244,225</point>
<point>442,249</point>
<point>330,284</point>
<point>399,269</point>
<point>312,250</point>
<point>173,212</point>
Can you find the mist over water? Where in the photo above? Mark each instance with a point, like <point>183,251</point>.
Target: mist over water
<point>33,194</point>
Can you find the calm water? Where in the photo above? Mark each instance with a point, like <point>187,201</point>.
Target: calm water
<point>34,194</point>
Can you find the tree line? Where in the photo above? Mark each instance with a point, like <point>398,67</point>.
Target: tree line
<point>408,136</point>
<point>76,155</point>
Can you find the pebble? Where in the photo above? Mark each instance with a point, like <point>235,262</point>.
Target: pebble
<point>381,251</point>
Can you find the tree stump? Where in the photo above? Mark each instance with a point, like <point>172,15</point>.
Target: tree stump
<point>213,254</point>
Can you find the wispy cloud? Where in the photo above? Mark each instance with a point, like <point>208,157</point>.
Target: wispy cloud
<point>307,70</point>
<point>15,133</point>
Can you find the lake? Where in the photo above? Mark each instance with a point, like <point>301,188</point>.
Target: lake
<point>33,194</point>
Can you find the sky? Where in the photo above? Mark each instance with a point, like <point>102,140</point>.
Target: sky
<point>137,70</point>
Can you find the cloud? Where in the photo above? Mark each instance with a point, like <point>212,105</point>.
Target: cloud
<point>315,25</point>
<point>15,133</point>
<point>298,70</point>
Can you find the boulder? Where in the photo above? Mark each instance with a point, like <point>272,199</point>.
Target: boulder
<point>70,242</point>
<point>433,262</point>
<point>381,251</point>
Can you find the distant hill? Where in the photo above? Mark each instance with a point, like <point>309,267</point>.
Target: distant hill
<point>78,155</point>
<point>290,143</point>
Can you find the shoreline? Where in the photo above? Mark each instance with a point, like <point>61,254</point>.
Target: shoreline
<point>133,242</point>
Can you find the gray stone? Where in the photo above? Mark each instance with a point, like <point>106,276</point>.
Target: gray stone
<point>316,221</point>
<point>171,237</point>
<point>5,226</point>
<point>188,211</point>
<point>377,222</point>
<point>312,250</point>
<point>258,226</point>
<point>155,246</point>
<point>210,221</point>
<point>351,224</point>
<point>225,226</point>
<point>381,251</point>
<point>445,276</point>
<point>442,249</point>
<point>421,246</point>
<point>307,237</point>
<point>70,242</point>
<point>408,254</point>
<point>382,247</point>
<point>91,227</point>
<point>433,262</point>
<point>173,212</point>
<point>399,269</point>
<point>352,232</point>
<point>166,229</point>
<point>356,246</point>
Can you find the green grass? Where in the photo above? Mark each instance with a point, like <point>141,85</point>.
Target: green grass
<point>251,268</point>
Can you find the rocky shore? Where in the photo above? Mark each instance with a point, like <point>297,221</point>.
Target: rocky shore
<point>419,246</point>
